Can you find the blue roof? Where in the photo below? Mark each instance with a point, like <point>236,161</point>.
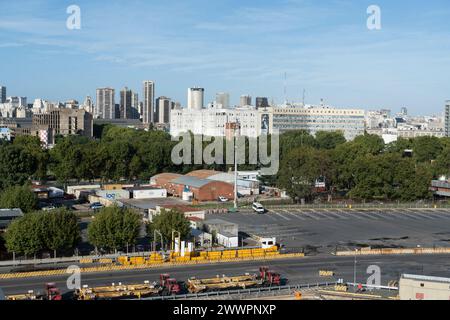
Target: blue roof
<point>191,181</point>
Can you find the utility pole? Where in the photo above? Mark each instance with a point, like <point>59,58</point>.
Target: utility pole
<point>354,273</point>
<point>237,126</point>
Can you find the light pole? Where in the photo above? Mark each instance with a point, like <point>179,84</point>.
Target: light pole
<point>354,272</point>
<point>236,127</point>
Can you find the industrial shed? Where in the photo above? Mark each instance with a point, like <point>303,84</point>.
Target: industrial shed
<point>202,174</point>
<point>202,189</point>
<point>164,180</point>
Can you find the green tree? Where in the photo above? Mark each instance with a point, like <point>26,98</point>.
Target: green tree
<point>300,169</point>
<point>329,140</point>
<point>23,237</point>
<point>59,230</point>
<point>17,165</point>
<point>166,222</point>
<point>38,231</point>
<point>113,228</point>
<point>426,148</point>
<point>19,197</point>
<point>33,146</point>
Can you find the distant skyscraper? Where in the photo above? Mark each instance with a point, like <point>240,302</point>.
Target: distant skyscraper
<point>447,118</point>
<point>223,98</point>
<point>106,106</point>
<point>162,110</point>
<point>262,102</point>
<point>126,100</point>
<point>404,111</point>
<point>245,100</point>
<point>196,98</point>
<point>88,105</point>
<point>148,112</point>
<point>2,94</point>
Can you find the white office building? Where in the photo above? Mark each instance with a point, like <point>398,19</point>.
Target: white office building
<point>255,122</point>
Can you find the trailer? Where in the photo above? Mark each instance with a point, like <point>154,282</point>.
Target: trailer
<point>117,292</point>
<point>223,283</point>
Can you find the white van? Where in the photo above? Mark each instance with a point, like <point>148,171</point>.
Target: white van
<point>258,208</point>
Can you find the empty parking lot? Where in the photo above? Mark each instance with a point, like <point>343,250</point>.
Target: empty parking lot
<point>327,229</point>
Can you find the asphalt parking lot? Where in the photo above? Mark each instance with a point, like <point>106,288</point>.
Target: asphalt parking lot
<point>325,230</point>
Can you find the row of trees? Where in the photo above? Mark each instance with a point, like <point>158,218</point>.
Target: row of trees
<point>112,229</point>
<point>364,168</point>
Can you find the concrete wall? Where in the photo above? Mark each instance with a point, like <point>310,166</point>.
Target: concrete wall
<point>411,289</point>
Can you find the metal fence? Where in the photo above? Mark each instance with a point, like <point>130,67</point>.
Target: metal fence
<point>250,291</point>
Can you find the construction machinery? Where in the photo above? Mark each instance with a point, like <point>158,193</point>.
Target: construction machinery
<point>268,277</point>
<point>223,283</point>
<point>169,285</point>
<point>51,292</point>
<point>116,292</point>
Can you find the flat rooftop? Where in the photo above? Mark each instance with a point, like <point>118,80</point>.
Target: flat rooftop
<point>146,204</point>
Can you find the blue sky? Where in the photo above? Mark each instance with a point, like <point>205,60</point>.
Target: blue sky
<point>238,46</point>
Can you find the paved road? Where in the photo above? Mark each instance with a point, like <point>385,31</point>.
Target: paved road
<point>298,271</point>
<point>323,230</point>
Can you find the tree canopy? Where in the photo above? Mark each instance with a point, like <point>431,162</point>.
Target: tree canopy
<point>166,222</point>
<point>18,197</point>
<point>113,228</point>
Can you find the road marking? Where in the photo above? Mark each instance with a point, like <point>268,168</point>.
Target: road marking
<point>323,216</point>
<point>338,216</point>
<point>351,214</point>
<point>368,215</point>
<point>297,216</point>
<point>280,215</point>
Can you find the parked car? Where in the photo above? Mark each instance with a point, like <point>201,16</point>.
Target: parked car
<point>49,208</point>
<point>258,208</point>
<point>96,206</point>
<point>223,199</point>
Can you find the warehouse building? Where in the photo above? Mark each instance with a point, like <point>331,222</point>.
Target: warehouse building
<point>414,287</point>
<point>202,189</point>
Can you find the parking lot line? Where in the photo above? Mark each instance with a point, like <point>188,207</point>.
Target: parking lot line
<point>371,217</point>
<point>309,215</point>
<point>297,216</point>
<point>281,216</point>
<point>350,214</point>
<point>324,216</point>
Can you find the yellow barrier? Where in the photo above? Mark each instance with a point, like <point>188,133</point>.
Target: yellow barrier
<point>388,251</point>
<point>108,268</point>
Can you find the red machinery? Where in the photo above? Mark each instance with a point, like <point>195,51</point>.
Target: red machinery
<point>270,278</point>
<point>52,292</point>
<point>169,285</point>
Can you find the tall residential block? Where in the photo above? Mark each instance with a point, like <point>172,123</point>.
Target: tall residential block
<point>126,100</point>
<point>245,100</point>
<point>148,109</point>
<point>106,106</point>
<point>162,111</point>
<point>2,94</point>
<point>262,102</point>
<point>196,98</point>
<point>223,98</point>
<point>447,118</point>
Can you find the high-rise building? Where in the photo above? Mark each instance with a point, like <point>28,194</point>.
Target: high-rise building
<point>88,105</point>
<point>162,111</point>
<point>223,99</point>
<point>196,98</point>
<point>245,100</point>
<point>148,112</point>
<point>2,94</point>
<point>126,101</point>
<point>65,122</point>
<point>447,118</point>
<point>262,102</point>
<point>106,106</point>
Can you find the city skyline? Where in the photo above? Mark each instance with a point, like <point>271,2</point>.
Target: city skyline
<point>325,49</point>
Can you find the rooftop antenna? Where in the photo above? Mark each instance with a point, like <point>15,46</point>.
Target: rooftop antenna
<point>285,88</point>
<point>304,93</point>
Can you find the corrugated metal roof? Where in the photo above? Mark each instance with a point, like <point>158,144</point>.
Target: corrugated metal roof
<point>202,174</point>
<point>426,278</point>
<point>192,181</point>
